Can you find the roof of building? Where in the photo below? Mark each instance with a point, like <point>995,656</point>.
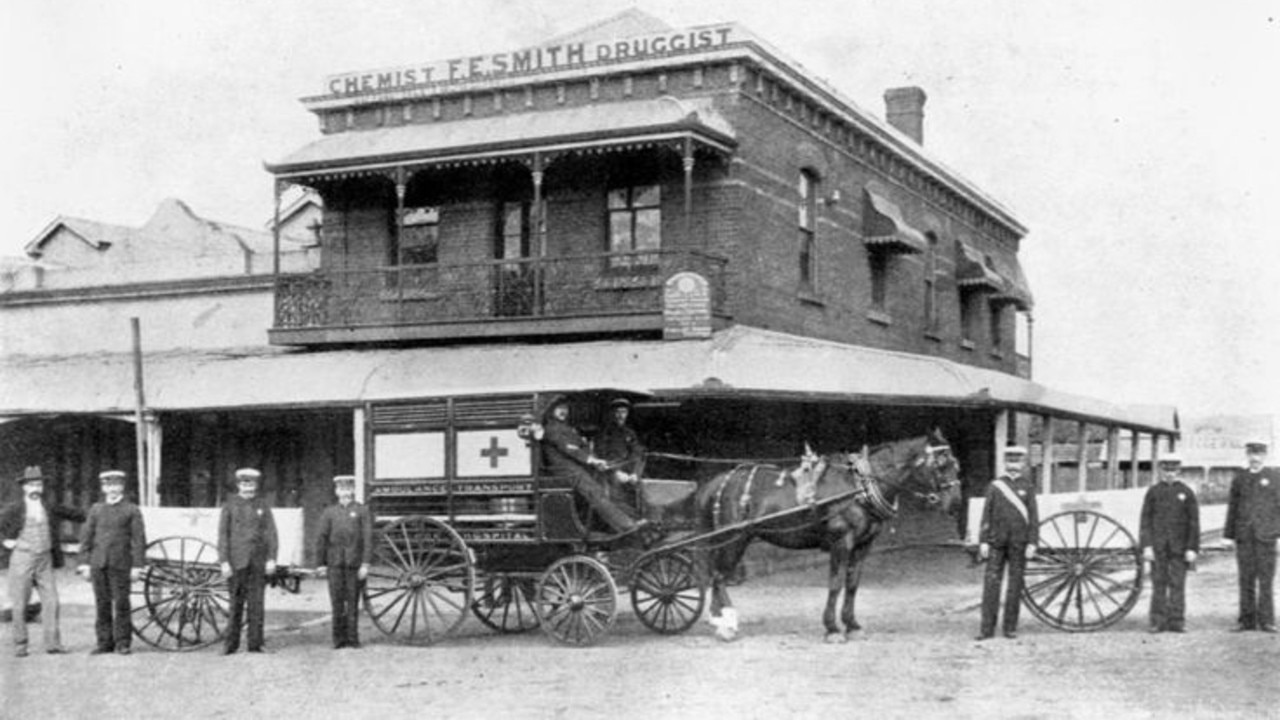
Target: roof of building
<point>517,132</point>
<point>738,43</point>
<point>736,362</point>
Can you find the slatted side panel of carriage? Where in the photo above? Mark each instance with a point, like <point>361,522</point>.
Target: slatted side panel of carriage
<point>459,460</point>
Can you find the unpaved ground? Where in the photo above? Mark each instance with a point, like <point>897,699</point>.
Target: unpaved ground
<point>916,658</point>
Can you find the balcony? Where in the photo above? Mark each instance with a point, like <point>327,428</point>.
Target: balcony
<point>602,294</point>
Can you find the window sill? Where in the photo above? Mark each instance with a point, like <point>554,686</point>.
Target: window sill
<point>997,354</point>
<point>808,298</point>
<point>879,317</point>
<point>933,335</point>
<point>409,294</point>
<point>966,345</point>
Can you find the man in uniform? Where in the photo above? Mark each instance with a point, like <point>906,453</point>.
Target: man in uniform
<point>566,456</point>
<point>29,532</point>
<point>112,545</point>
<point>247,546</point>
<point>1169,534</point>
<point>619,446</point>
<point>344,546</point>
<point>1253,525</point>
<point>1007,538</point>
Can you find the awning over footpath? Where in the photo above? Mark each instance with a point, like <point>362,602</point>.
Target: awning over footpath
<point>737,362</point>
<point>600,124</point>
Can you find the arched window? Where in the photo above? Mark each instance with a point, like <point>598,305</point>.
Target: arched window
<point>808,222</point>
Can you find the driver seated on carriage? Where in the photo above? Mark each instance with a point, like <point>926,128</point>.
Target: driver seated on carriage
<point>567,457</point>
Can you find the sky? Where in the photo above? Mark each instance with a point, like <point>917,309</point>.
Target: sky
<point>1138,140</point>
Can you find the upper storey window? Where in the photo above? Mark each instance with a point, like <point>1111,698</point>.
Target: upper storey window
<point>419,237</point>
<point>635,224</point>
<point>807,210</point>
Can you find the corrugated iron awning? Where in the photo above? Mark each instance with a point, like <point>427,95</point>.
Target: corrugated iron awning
<point>603,124</point>
<point>738,362</point>
<point>885,230</point>
<point>973,273</point>
<point>1014,287</point>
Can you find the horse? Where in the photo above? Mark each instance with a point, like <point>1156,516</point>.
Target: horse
<point>758,497</point>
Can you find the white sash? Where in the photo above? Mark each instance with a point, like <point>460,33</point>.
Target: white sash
<point>1013,498</point>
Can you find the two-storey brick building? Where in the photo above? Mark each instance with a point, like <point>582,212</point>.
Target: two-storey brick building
<point>682,216</point>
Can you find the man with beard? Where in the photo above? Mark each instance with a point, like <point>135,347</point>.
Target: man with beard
<point>28,531</point>
<point>1007,538</point>
<point>344,547</point>
<point>1253,526</point>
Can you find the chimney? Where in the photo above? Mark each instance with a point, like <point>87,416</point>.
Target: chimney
<point>904,109</point>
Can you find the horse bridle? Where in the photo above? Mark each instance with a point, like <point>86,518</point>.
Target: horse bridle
<point>931,451</point>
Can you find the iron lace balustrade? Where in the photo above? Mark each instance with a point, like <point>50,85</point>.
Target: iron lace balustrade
<point>606,284</point>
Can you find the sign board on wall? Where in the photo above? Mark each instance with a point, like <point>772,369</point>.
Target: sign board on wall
<point>498,452</point>
<point>686,307</point>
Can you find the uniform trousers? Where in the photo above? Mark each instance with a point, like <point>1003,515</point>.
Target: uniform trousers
<point>1168,590</point>
<point>598,498</point>
<point>1014,557</point>
<point>114,627</point>
<point>1256,563</point>
<point>247,586</point>
<point>344,599</point>
<point>28,570</point>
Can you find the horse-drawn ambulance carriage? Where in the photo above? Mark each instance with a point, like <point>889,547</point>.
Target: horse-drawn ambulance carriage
<point>467,524</point>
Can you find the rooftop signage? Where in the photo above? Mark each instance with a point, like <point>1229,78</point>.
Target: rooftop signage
<point>531,61</point>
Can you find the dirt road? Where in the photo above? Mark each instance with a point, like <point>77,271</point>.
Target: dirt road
<point>916,658</point>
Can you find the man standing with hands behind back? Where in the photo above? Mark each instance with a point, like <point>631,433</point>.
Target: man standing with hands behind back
<point>1008,537</point>
<point>1253,525</point>
<point>112,545</point>
<point>1169,534</point>
<point>247,546</point>
<point>344,546</point>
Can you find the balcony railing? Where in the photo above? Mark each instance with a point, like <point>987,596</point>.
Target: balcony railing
<point>562,287</point>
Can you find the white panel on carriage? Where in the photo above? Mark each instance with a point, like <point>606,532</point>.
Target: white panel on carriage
<point>403,456</point>
<point>497,452</point>
<point>202,524</point>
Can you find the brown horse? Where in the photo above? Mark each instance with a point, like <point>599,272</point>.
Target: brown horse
<point>757,498</point>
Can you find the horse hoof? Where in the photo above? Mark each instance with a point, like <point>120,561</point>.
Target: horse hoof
<point>835,638</point>
<point>726,634</point>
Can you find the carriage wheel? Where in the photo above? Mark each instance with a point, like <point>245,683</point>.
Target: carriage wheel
<point>420,582</point>
<point>505,603</point>
<point>667,594</point>
<point>577,600</point>
<point>183,602</point>
<point>1087,573</point>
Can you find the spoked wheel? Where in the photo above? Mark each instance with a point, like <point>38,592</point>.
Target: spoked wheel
<point>1087,573</point>
<point>420,582</point>
<point>505,603</point>
<point>183,602</point>
<point>577,600</point>
<point>667,594</point>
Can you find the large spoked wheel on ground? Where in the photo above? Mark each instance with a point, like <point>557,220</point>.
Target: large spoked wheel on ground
<point>420,583</point>
<point>505,603</point>
<point>1087,573</point>
<point>183,602</point>
<point>577,600</point>
<point>667,594</point>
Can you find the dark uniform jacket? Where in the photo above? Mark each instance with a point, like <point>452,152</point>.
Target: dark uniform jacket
<point>14,516</point>
<point>1170,518</point>
<point>113,536</point>
<point>1002,524</point>
<point>246,533</point>
<point>564,451</point>
<point>1253,507</point>
<point>345,536</point>
<point>620,445</point>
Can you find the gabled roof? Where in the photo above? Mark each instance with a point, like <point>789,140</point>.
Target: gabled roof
<point>97,235</point>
